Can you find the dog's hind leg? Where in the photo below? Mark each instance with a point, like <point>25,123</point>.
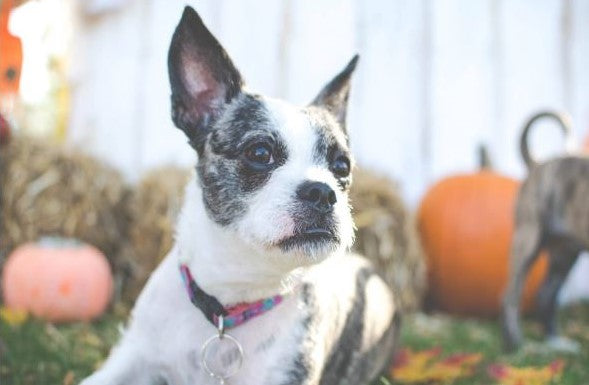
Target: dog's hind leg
<point>562,259</point>
<point>525,248</point>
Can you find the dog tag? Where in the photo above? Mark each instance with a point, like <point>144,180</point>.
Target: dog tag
<point>221,355</point>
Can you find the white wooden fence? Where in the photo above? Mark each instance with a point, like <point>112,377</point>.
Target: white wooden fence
<point>436,77</point>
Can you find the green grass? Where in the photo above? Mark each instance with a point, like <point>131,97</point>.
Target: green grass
<point>484,336</point>
<point>39,353</point>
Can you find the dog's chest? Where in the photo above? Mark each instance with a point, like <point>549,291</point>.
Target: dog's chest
<point>272,343</point>
<point>291,344</point>
<point>271,346</point>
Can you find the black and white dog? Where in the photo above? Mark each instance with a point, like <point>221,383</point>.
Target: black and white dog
<point>266,224</point>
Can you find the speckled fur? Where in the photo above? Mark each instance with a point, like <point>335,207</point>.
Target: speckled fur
<point>552,213</point>
<point>338,321</point>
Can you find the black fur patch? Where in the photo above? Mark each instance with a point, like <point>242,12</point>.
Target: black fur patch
<point>202,78</point>
<point>226,178</point>
<point>301,366</point>
<point>343,353</point>
<point>328,147</point>
<point>334,96</point>
<point>266,344</point>
<point>377,360</point>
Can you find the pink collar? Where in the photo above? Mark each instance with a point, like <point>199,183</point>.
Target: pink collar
<point>212,309</point>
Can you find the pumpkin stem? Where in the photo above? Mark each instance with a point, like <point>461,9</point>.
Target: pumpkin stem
<point>484,158</point>
<point>5,8</point>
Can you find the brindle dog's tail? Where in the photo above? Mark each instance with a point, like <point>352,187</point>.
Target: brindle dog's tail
<point>564,121</point>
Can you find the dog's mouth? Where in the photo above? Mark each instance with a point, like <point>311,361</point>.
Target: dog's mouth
<point>310,240</point>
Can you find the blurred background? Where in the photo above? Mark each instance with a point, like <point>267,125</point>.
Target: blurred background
<point>436,78</point>
<point>90,157</point>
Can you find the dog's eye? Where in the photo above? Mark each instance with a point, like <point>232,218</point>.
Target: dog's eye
<point>341,166</point>
<point>260,153</point>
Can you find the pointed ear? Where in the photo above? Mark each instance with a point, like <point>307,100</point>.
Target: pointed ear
<point>334,96</point>
<point>202,77</point>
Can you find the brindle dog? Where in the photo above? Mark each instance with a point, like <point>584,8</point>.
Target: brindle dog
<point>552,214</point>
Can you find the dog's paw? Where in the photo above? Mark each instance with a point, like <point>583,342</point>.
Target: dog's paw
<point>563,345</point>
<point>88,381</point>
<point>97,379</point>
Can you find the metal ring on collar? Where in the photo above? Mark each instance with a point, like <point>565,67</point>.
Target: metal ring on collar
<point>221,326</point>
<point>203,355</point>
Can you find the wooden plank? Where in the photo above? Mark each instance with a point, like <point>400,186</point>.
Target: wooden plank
<point>576,30</point>
<point>388,118</point>
<point>252,33</point>
<point>321,42</point>
<point>104,80</point>
<point>579,61</point>
<point>531,75</point>
<point>462,84</point>
<point>160,142</point>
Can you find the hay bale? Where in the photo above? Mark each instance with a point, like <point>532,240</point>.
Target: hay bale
<point>387,235</point>
<point>49,190</point>
<point>153,207</point>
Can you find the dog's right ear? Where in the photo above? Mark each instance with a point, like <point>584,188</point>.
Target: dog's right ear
<point>202,77</point>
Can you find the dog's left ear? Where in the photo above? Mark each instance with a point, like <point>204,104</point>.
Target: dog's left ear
<point>202,77</point>
<point>334,96</point>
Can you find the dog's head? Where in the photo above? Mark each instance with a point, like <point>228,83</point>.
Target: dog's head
<point>276,174</point>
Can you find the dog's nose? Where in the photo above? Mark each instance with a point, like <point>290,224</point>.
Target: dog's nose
<point>319,195</point>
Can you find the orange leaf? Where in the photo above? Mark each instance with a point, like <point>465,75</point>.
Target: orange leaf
<point>423,367</point>
<point>69,378</point>
<point>509,375</point>
<point>462,359</point>
<point>407,357</point>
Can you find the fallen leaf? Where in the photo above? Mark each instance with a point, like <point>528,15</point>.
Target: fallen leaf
<point>69,378</point>
<point>13,317</point>
<point>462,359</point>
<point>424,367</point>
<point>91,339</point>
<point>509,375</point>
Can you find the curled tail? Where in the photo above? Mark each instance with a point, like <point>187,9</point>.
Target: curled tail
<point>563,120</point>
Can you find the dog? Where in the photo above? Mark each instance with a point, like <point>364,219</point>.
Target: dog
<point>551,213</point>
<point>265,227</point>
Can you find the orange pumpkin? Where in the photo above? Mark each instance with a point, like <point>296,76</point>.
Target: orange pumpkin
<point>466,225</point>
<point>57,283</point>
<point>11,53</point>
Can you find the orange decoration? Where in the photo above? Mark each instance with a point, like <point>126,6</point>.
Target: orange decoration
<point>466,226</point>
<point>426,366</point>
<point>544,375</point>
<point>64,283</point>
<point>11,53</point>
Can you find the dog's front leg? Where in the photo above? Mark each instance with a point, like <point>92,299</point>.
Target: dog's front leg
<point>124,366</point>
